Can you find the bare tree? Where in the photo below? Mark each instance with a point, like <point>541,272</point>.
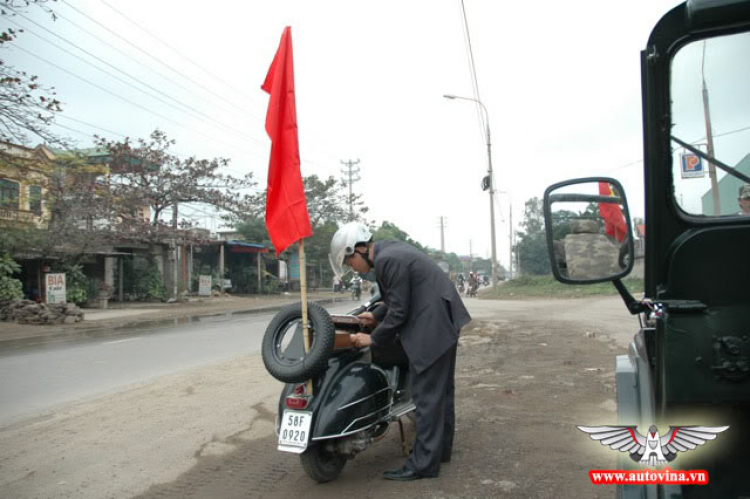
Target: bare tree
<point>144,173</point>
<point>26,106</point>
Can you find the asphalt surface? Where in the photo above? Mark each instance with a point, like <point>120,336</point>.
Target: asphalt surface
<point>36,378</point>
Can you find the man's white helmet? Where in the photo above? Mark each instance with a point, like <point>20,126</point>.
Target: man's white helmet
<point>343,243</point>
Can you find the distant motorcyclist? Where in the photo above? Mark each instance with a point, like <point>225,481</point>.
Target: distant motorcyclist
<point>423,309</point>
<point>460,280</point>
<point>473,284</point>
<point>356,286</point>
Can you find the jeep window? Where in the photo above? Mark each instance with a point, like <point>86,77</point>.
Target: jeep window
<point>710,109</point>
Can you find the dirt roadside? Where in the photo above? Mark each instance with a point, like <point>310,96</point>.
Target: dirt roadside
<point>527,373</point>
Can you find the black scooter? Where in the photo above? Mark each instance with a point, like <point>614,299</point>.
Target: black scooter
<point>336,401</point>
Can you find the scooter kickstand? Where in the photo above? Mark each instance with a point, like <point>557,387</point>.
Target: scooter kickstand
<point>404,447</point>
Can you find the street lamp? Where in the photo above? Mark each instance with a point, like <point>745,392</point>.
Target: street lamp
<point>491,186</point>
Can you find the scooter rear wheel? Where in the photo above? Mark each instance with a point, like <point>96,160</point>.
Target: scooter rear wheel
<point>287,361</point>
<point>321,465</point>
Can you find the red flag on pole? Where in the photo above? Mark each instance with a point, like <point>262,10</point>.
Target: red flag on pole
<point>287,219</point>
<point>614,222</point>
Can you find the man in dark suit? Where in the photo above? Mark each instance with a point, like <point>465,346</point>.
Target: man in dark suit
<point>423,309</point>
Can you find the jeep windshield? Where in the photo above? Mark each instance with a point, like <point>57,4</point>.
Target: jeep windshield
<point>710,110</point>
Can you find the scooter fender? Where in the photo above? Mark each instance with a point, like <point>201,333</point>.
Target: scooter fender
<point>354,397</point>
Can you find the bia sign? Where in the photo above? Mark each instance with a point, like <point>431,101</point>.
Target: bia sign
<point>55,284</point>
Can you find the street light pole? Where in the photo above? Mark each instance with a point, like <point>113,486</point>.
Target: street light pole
<point>492,186</point>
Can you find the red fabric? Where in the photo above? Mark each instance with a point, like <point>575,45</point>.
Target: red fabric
<point>287,219</point>
<point>614,222</point>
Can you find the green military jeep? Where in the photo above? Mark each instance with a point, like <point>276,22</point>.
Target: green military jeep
<point>689,364</point>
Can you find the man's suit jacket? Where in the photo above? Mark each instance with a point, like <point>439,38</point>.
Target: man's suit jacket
<point>421,304</point>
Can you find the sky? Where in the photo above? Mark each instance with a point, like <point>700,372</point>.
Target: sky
<point>560,82</point>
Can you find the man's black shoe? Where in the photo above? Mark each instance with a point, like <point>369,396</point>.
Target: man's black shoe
<point>403,475</point>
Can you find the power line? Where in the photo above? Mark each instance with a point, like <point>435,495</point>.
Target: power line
<point>472,68</point>
<point>239,92</point>
<point>234,108</point>
<point>154,58</point>
<point>90,125</point>
<point>189,108</point>
<point>192,109</point>
<point>161,75</point>
<point>131,102</point>
<point>88,135</point>
<point>635,162</point>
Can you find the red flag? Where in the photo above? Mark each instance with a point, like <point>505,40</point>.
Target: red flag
<point>287,219</point>
<point>614,222</point>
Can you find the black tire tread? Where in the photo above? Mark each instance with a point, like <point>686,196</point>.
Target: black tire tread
<point>316,360</point>
<point>320,466</point>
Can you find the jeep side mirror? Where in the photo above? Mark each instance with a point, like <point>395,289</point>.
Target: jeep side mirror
<point>589,234</point>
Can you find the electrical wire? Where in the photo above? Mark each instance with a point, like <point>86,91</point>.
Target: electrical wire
<point>235,108</point>
<point>150,56</point>
<point>232,109</point>
<point>189,108</point>
<point>90,125</point>
<point>150,111</point>
<point>472,69</point>
<point>239,92</point>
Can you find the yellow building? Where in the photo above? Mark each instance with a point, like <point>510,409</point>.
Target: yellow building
<point>25,176</point>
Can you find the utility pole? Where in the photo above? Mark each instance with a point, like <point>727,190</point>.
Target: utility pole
<point>471,258</point>
<point>351,175</point>
<point>510,244</point>
<point>175,261</point>
<point>442,234</point>
<point>487,184</point>
<point>710,140</point>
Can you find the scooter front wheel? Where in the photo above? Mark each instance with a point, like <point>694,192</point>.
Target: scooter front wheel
<point>320,465</point>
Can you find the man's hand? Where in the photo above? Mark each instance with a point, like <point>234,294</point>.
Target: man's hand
<point>368,320</point>
<point>360,340</point>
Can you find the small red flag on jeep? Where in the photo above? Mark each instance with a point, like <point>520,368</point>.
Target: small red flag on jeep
<point>287,219</point>
<point>614,222</point>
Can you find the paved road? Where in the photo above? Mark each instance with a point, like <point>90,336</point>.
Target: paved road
<point>526,371</point>
<point>34,380</point>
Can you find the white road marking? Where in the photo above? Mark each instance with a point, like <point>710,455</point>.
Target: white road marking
<point>121,341</point>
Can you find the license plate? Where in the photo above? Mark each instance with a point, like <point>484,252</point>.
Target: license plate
<point>295,431</point>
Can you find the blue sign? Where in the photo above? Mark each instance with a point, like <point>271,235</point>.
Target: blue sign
<point>692,166</point>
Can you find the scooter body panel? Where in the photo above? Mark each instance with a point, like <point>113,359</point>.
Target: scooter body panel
<point>350,396</point>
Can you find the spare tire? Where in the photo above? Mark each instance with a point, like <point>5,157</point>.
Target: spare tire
<point>283,343</point>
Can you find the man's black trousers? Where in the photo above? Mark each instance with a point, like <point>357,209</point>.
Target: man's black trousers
<point>433,392</point>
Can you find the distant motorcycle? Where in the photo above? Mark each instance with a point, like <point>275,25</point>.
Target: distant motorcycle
<point>356,290</point>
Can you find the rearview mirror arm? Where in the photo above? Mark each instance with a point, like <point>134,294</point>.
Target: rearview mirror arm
<point>634,306</point>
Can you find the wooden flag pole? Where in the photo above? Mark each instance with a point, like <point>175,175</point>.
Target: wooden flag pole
<point>303,291</point>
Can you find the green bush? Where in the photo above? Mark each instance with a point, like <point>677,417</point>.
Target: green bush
<point>142,279</point>
<point>10,289</point>
<point>244,279</point>
<point>76,284</point>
